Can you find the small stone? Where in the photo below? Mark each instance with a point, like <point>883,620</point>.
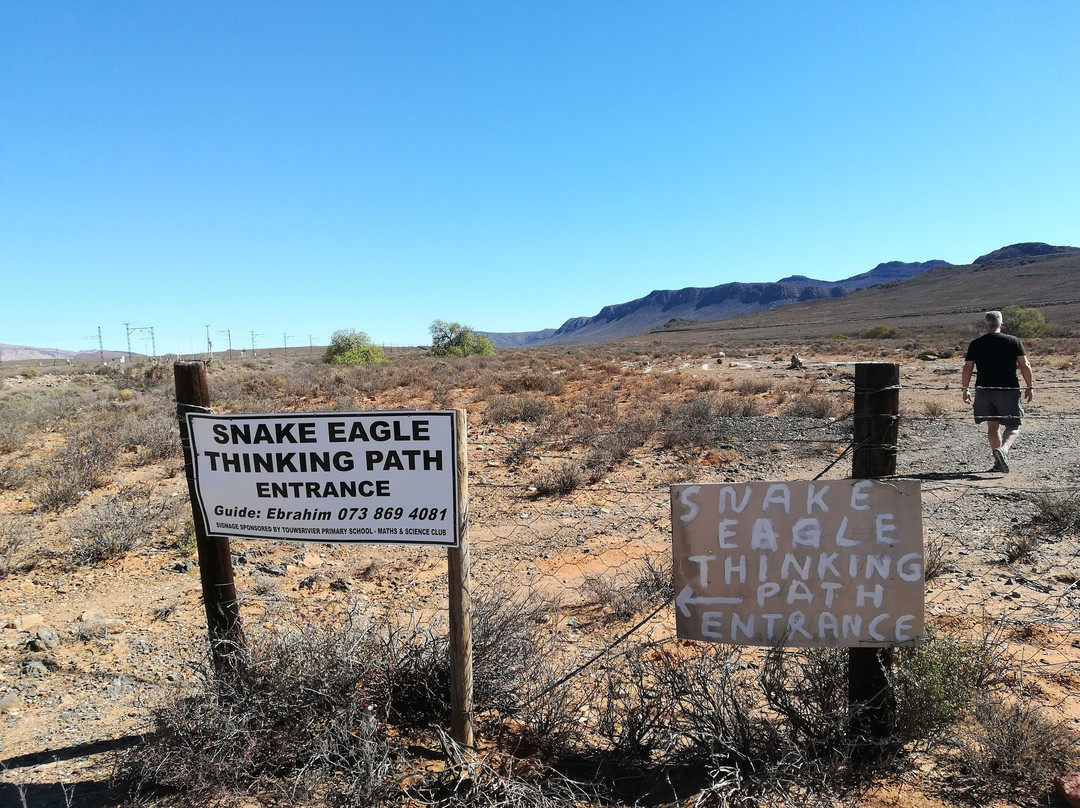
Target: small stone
<point>45,640</point>
<point>26,622</point>
<point>106,625</point>
<point>1068,788</point>
<point>118,686</point>
<point>35,668</point>
<point>10,702</point>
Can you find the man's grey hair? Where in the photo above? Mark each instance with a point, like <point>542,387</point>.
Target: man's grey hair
<point>992,319</point>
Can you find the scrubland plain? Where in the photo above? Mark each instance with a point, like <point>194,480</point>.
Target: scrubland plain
<point>583,694</point>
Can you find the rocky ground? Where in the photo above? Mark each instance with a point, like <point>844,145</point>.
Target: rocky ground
<point>86,651</point>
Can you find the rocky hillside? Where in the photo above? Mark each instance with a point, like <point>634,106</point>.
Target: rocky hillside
<point>1027,249</point>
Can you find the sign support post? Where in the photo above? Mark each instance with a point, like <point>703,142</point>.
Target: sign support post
<point>871,703</point>
<point>215,561</point>
<point>460,599</point>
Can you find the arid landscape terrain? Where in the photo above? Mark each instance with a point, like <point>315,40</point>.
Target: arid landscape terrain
<point>571,455</point>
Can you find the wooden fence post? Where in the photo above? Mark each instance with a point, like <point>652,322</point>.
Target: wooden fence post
<point>460,598</point>
<point>215,562</point>
<point>871,703</point>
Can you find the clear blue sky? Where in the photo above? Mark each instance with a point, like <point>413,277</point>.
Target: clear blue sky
<point>292,168</point>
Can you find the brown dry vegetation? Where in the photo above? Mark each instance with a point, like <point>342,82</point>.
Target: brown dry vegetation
<point>571,453</point>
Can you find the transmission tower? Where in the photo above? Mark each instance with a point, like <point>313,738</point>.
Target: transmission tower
<point>153,345</point>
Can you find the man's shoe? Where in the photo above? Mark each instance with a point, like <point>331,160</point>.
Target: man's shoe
<point>1001,461</point>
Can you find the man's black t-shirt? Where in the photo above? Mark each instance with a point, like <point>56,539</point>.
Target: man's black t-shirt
<point>994,356</point>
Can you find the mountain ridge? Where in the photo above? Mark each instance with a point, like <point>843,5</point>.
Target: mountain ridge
<point>706,304</point>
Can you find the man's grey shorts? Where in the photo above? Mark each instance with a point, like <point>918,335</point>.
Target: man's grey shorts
<point>1002,406</point>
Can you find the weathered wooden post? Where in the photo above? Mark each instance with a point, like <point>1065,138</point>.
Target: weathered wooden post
<point>460,600</point>
<point>871,703</point>
<point>215,562</point>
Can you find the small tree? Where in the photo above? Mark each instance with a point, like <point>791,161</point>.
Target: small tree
<point>349,347</point>
<point>455,339</point>
<point>1023,323</point>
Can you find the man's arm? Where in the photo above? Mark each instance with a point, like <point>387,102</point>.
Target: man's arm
<point>1024,367</point>
<point>965,379</point>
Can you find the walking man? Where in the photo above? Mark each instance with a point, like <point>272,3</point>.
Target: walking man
<point>996,358</point>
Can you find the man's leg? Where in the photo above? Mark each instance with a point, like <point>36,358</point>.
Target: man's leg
<point>1009,437</point>
<point>993,433</point>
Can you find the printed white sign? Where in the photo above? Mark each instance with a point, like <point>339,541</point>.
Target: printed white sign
<point>371,477</point>
<point>822,563</point>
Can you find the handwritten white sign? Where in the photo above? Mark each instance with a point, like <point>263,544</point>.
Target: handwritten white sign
<point>823,563</point>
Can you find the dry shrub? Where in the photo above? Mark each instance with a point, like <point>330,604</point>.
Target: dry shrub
<point>934,560</point>
<point>740,406</point>
<point>14,428</point>
<point>473,780</point>
<point>600,408</point>
<point>649,583</point>
<point>934,408</point>
<point>1014,749</point>
<point>535,379</point>
<point>148,434</point>
<point>688,425</point>
<point>1023,545</point>
<point>411,676</point>
<point>610,448</point>
<point>814,405</point>
<point>80,466</point>
<point>752,385</point>
<point>704,384</point>
<point>507,409</point>
<point>523,447</point>
<point>1058,511</point>
<point>15,535</point>
<point>669,382</point>
<point>558,480</point>
<point>11,477</point>
<point>631,715</point>
<point>291,719</point>
<point>120,524</point>
<point>808,691</point>
<point>302,713</point>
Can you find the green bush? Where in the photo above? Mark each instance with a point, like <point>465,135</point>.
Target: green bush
<point>349,347</point>
<point>1023,323</point>
<point>455,339</point>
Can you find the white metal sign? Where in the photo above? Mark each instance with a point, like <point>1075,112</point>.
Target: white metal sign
<point>822,563</point>
<point>371,477</point>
